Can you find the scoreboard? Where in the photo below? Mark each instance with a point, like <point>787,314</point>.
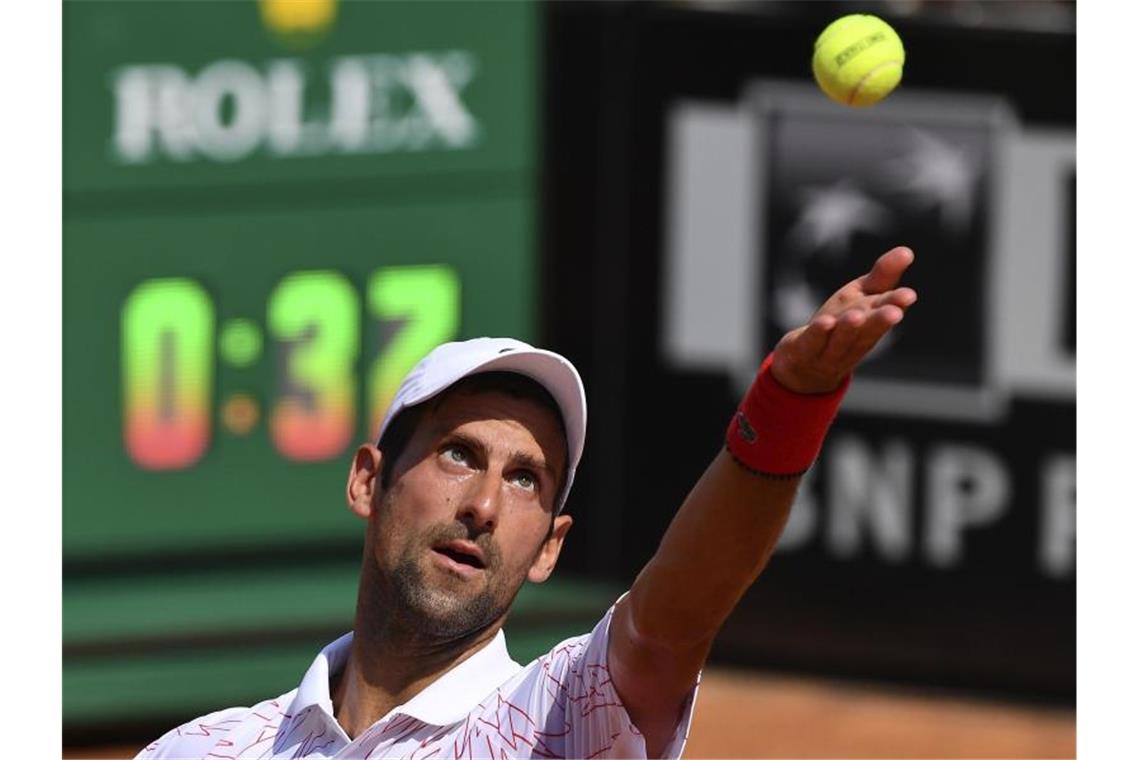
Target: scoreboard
<point>227,362</point>
<point>268,220</point>
<point>272,210</point>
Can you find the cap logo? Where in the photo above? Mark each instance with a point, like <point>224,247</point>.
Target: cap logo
<point>504,350</point>
<point>745,428</point>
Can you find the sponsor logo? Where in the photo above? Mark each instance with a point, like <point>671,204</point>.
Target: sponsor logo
<point>776,201</point>
<point>231,109</point>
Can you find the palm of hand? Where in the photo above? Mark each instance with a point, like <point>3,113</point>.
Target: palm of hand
<point>817,357</point>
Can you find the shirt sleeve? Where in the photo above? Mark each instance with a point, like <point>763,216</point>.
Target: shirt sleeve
<point>576,709</point>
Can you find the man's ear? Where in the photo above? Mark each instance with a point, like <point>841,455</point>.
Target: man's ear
<point>547,558</point>
<point>364,479</point>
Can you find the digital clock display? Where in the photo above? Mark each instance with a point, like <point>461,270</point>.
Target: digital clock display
<point>221,366</point>
<point>314,322</point>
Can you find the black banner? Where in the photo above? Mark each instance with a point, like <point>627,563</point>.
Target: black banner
<point>701,198</point>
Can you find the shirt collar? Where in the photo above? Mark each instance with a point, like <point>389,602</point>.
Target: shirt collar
<point>314,688</point>
<point>447,700</point>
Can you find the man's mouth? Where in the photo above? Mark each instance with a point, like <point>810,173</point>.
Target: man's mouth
<point>463,553</point>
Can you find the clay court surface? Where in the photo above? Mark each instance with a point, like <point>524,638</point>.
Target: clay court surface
<point>752,715</point>
<point>757,715</point>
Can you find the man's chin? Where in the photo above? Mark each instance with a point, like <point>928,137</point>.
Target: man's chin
<point>445,605</point>
<point>454,616</point>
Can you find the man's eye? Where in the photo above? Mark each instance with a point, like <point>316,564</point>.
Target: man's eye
<point>456,454</point>
<point>526,480</point>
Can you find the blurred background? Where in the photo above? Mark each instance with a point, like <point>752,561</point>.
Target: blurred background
<point>273,209</point>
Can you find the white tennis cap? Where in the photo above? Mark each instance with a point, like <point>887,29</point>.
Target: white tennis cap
<point>450,362</point>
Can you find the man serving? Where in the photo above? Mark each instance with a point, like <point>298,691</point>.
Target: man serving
<point>463,496</point>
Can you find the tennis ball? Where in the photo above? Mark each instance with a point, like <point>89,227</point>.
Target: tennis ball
<point>858,60</point>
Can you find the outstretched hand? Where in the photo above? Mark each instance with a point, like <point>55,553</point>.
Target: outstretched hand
<point>817,357</point>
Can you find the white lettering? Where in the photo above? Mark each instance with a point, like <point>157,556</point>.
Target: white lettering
<point>869,496</point>
<point>134,115</point>
<point>392,122</point>
<point>351,85</point>
<point>150,102</point>
<point>864,498</point>
<point>378,103</point>
<point>966,487</point>
<point>436,90</point>
<point>241,85</point>
<point>286,81</point>
<point>1057,546</point>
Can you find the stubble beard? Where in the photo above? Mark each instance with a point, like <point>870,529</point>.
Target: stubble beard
<point>437,612</point>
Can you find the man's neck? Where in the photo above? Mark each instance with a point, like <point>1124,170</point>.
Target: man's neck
<point>388,666</point>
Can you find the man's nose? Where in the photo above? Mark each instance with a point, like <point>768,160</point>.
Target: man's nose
<point>480,506</point>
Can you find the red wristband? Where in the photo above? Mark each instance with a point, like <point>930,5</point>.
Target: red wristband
<point>778,432</point>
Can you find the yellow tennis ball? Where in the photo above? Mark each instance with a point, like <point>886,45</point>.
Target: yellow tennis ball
<point>858,60</point>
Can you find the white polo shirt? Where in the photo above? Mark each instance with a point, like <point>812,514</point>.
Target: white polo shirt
<point>561,705</point>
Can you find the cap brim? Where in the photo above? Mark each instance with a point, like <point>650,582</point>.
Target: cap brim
<point>553,372</point>
<point>558,376</point>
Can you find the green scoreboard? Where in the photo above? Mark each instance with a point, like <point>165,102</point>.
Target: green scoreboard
<point>272,210</point>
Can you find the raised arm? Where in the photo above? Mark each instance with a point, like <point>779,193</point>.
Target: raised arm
<point>726,529</point>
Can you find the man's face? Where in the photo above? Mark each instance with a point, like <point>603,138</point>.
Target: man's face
<point>467,512</point>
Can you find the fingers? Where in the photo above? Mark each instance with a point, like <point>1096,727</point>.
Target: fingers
<point>887,270</point>
<point>876,288</point>
<point>813,339</point>
<point>842,338</point>
<point>806,343</point>
<point>903,298</point>
<point>878,324</point>
<point>814,358</point>
<point>856,333</point>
